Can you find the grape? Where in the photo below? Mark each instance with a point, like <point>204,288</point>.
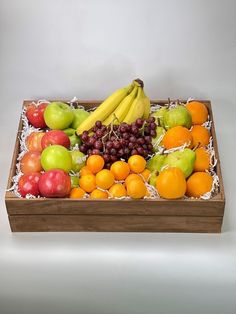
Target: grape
<point>107,151</point>
<point>94,129</point>
<point>113,158</point>
<point>115,127</point>
<point>98,145</point>
<point>125,135</point>
<point>113,151</point>
<point>135,130</point>
<point>109,144</point>
<point>145,146</point>
<point>91,141</point>
<point>108,165</point>
<point>106,157</point>
<point>130,145</point>
<point>83,148</point>
<point>134,152</point>
<point>96,151</point>
<point>99,133</point>
<point>113,138</point>
<point>147,138</point>
<point>122,142</point>
<point>153,133</point>
<point>139,122</point>
<point>122,129</point>
<point>150,146</point>
<point>104,128</point>
<point>89,151</point>
<point>151,119</point>
<point>120,152</point>
<point>153,126</point>
<point>126,151</point>
<point>98,124</point>
<point>140,150</point>
<point>141,140</point>
<point>116,144</point>
<point>132,139</point>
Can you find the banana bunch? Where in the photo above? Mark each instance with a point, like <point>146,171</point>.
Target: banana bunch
<point>124,105</point>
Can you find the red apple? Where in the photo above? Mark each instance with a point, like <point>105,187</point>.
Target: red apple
<point>30,162</point>
<point>33,141</point>
<point>55,183</point>
<point>55,137</point>
<point>29,184</point>
<point>35,115</point>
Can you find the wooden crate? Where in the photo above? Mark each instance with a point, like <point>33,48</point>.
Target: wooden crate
<point>184,215</point>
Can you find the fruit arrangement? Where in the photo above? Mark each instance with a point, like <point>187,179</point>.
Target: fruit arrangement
<point>124,148</point>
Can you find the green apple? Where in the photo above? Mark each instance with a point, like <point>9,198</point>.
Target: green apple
<point>56,157</point>
<point>74,138</point>
<point>78,160</point>
<point>176,116</point>
<point>74,181</point>
<point>79,116</point>
<point>153,178</point>
<point>58,115</point>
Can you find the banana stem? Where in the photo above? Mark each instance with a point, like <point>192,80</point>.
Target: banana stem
<point>139,82</point>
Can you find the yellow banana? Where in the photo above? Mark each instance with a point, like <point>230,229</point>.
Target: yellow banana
<point>137,108</point>
<point>105,108</point>
<point>147,106</point>
<point>121,111</point>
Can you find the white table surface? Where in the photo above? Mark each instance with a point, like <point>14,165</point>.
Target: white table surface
<point>93,48</point>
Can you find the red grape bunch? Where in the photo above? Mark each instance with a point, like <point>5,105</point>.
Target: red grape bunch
<point>115,142</point>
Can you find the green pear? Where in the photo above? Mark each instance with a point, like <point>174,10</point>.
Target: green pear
<point>79,116</point>
<point>176,116</point>
<point>159,114</point>
<point>184,160</point>
<point>74,138</point>
<point>78,160</point>
<point>156,141</point>
<point>156,162</point>
<point>153,178</point>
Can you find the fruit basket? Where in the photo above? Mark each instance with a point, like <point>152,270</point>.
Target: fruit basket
<point>118,215</point>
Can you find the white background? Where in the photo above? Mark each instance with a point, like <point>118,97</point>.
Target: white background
<point>61,49</point>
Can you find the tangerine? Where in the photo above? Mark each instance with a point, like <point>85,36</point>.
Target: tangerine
<point>137,163</point>
<point>95,163</point>
<point>88,182</point>
<point>96,194</point>
<point>198,111</point>
<point>177,136</point>
<point>132,176</point>
<point>105,179</point>
<point>171,183</point>
<point>145,174</point>
<point>77,193</point>
<point>202,161</point>
<point>85,170</point>
<point>200,135</point>
<point>117,190</point>
<point>198,184</point>
<point>120,169</point>
<point>136,189</point>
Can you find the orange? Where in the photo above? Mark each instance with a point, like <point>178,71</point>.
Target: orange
<point>105,179</point>
<point>120,169</point>
<point>198,184</point>
<point>95,163</point>
<point>77,193</point>
<point>145,174</point>
<point>171,183</point>
<point>132,176</point>
<point>177,136</point>
<point>200,135</point>
<point>98,194</point>
<point>136,189</point>
<point>88,182</point>
<point>137,163</point>
<point>198,112</point>
<point>202,161</point>
<point>85,170</point>
<point>117,190</point>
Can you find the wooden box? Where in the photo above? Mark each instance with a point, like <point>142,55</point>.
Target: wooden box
<point>148,215</point>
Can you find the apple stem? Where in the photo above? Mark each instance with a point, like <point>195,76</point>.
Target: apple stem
<point>168,105</point>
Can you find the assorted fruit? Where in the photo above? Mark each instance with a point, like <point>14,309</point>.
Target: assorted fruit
<point>124,148</point>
